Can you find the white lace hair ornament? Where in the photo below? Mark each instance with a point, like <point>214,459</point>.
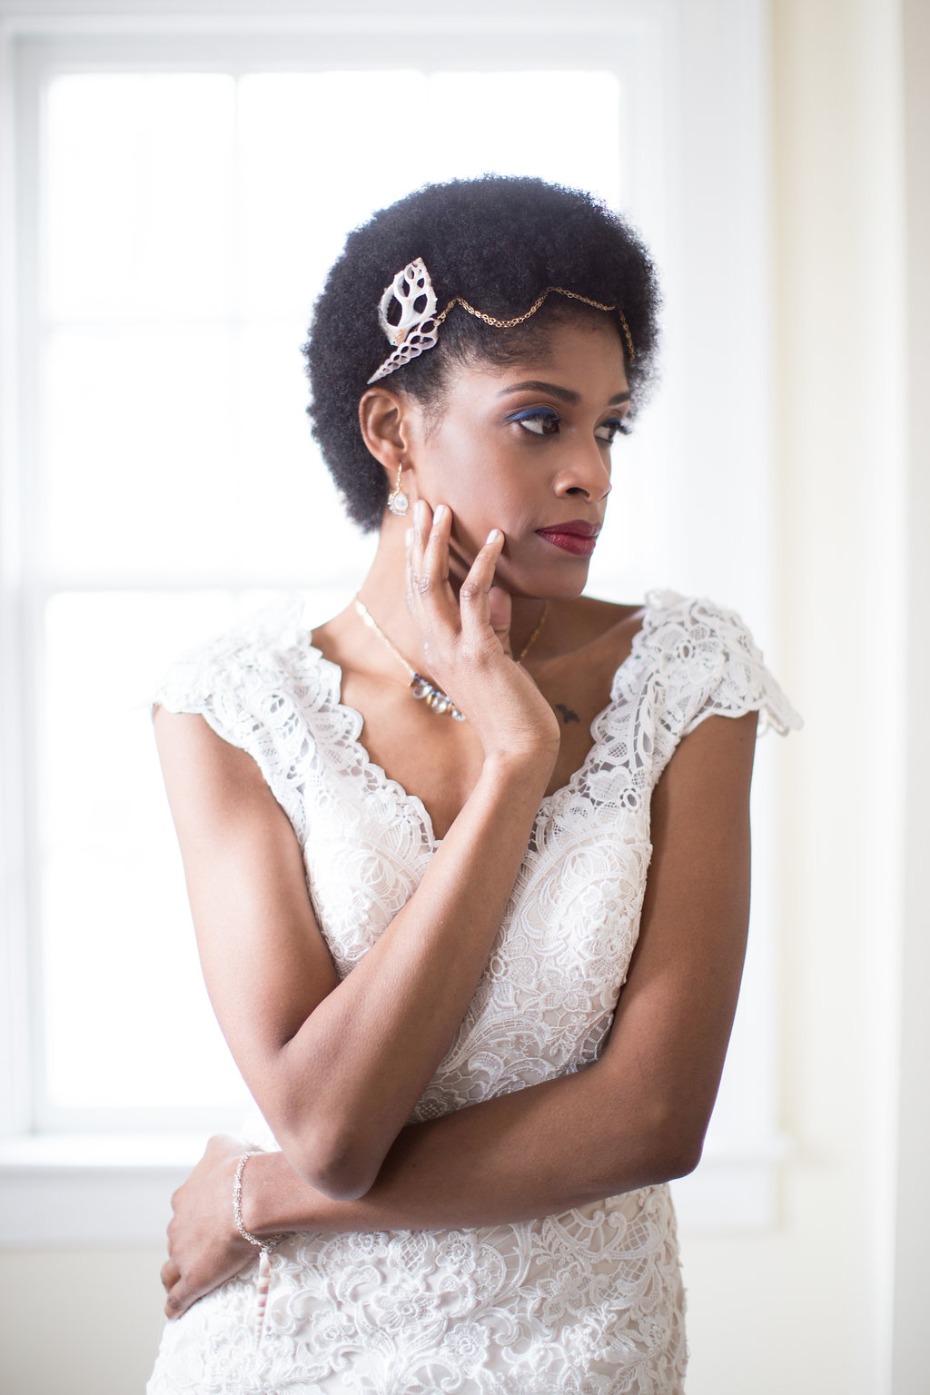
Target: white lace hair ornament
<point>410,298</point>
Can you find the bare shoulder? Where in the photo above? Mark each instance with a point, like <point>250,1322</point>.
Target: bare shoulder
<point>187,736</point>
<point>714,761</point>
<point>205,773</point>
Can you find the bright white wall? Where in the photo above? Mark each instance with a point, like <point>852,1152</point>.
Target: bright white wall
<point>78,1322</point>
<point>806,1308</point>
<point>912,1200</point>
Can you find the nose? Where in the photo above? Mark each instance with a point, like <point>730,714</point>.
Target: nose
<point>586,474</point>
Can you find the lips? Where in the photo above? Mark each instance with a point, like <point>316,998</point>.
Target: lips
<point>577,537</point>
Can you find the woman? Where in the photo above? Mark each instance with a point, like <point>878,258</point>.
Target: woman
<point>416,917</point>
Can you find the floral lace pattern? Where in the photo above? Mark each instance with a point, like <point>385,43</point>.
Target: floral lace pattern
<point>585,1303</point>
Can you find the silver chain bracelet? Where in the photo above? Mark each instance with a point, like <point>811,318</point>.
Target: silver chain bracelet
<point>271,1242</point>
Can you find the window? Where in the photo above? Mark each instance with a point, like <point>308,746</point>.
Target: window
<point>178,204</point>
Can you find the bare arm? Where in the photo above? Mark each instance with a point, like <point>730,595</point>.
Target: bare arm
<point>636,1117</point>
<point>639,1115</point>
<point>337,1067</point>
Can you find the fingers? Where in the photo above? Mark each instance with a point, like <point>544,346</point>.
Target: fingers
<point>480,606</point>
<point>181,1290</point>
<point>428,556</point>
<point>436,532</point>
<point>500,607</point>
<point>475,596</point>
<point>176,1302</point>
<point>177,1295</point>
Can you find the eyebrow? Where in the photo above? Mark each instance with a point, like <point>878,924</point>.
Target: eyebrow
<point>565,394</point>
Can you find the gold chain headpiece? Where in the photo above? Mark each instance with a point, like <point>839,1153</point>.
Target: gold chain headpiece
<point>416,330</point>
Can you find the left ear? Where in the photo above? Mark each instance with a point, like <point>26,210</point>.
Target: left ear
<point>386,422</point>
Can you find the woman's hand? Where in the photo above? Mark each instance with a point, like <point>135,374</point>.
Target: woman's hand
<point>466,642</point>
<point>204,1247</point>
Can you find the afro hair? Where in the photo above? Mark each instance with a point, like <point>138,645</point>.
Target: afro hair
<point>498,242</point>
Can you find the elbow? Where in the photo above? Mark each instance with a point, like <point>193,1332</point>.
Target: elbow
<point>337,1170</point>
<point>329,1149</point>
<point>342,1182</point>
<point>679,1157</point>
<point>672,1145</point>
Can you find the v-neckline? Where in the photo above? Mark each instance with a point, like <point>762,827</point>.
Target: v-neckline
<point>354,723</point>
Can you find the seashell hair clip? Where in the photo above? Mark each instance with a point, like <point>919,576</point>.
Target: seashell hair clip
<point>407,315</point>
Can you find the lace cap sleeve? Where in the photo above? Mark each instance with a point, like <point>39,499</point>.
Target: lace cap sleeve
<point>251,688</point>
<point>711,667</point>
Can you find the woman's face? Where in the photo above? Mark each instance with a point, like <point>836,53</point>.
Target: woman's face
<point>526,448</point>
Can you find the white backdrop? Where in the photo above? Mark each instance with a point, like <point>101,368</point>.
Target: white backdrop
<point>807,1305</point>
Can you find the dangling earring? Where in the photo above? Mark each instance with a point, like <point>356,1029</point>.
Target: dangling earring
<point>398,502</point>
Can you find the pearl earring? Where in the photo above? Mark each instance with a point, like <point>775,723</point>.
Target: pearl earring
<point>398,502</point>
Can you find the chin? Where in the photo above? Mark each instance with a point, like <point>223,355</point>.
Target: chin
<point>526,574</point>
<point>563,582</point>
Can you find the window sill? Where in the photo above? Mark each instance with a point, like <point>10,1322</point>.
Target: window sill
<point>114,1190</point>
<point>95,1190</point>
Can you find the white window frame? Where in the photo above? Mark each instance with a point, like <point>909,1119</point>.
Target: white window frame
<point>700,71</point>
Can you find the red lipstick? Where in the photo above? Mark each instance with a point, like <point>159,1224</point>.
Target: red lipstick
<point>577,536</point>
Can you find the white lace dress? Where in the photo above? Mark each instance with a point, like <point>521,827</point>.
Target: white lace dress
<point>589,1302</point>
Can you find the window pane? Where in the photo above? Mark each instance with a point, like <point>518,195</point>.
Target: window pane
<point>127,1021</point>
<point>140,194</point>
<point>293,526</point>
<point>141,467</point>
<point>308,175</point>
<point>189,221</point>
<point>563,126</point>
<point>301,193</point>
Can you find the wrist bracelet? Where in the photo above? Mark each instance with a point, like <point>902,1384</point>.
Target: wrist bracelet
<point>269,1243</point>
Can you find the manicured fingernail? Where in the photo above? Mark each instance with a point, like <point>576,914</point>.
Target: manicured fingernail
<point>439,512</point>
<point>408,537</point>
<point>419,510</point>
<point>494,535</point>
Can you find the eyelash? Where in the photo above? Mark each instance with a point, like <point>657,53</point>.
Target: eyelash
<point>618,426</point>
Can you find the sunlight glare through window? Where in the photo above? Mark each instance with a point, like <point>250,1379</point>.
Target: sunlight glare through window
<point>188,220</point>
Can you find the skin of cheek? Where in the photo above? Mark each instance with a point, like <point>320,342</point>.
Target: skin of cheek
<point>481,497</point>
<point>487,485</point>
<point>493,474</point>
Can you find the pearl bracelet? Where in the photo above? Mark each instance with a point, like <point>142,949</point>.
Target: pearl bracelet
<point>266,1245</point>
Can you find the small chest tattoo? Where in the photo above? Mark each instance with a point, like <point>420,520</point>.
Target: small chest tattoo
<point>566,713</point>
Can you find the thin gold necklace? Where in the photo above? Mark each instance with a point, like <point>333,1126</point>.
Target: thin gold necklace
<point>423,690</point>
